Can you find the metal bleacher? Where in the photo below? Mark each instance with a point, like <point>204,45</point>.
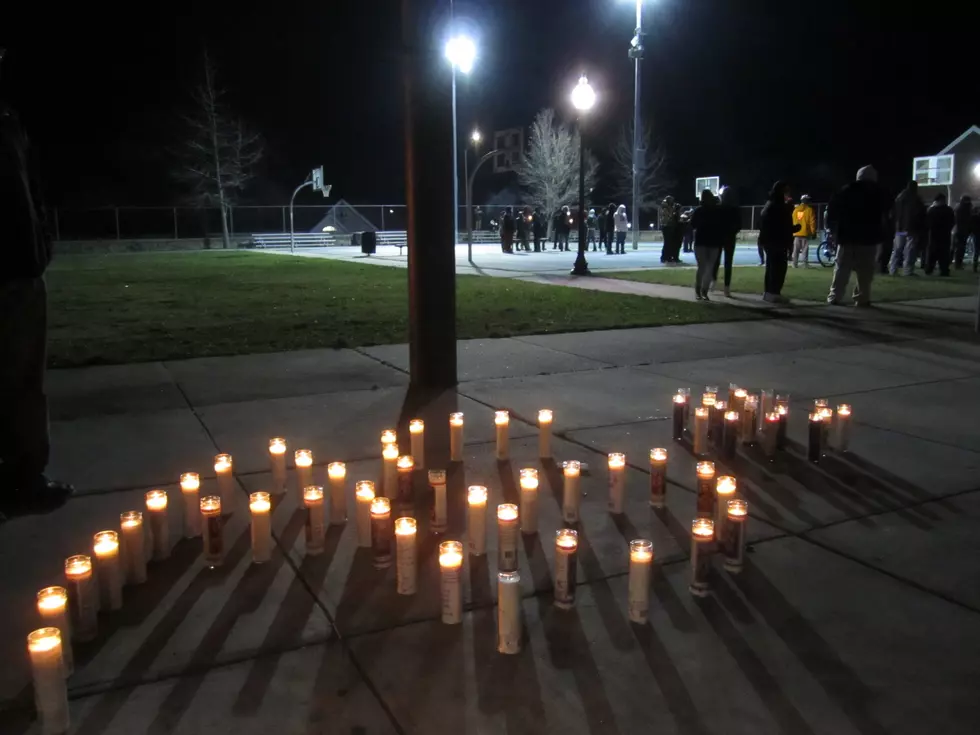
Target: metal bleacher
<point>394,238</point>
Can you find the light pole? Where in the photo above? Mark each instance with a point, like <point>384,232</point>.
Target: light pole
<point>476,138</point>
<point>583,99</point>
<point>636,53</point>
<point>461,53</point>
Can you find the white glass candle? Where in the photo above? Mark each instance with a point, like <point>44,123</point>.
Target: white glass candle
<point>83,597</point>
<point>416,432</point>
<point>770,434</point>
<point>617,473</point>
<point>277,463</point>
<point>501,420</point>
<point>750,421</point>
<point>389,470</point>
<point>406,567</point>
<point>44,646</point>
<point>566,568</point>
<point>766,407</point>
<point>508,519</point>
<point>706,489</point>
<point>159,523</point>
<point>315,527</point>
<point>456,437</point>
<point>737,400</point>
<point>337,475</point>
<point>571,494</point>
<point>700,431</point>
<point>213,549</point>
<point>381,532</point>
<point>450,562</point>
<point>388,436</point>
<point>405,466</point>
<point>702,540</point>
<point>131,541</point>
<point>734,538</point>
<point>729,435</point>
<point>52,606</point>
<point>641,564</point>
<point>260,508</point>
<point>303,459</point>
<point>363,495</point>
<point>725,489</point>
<point>843,427</point>
<point>224,470</point>
<point>190,486</point>
<point>658,477</point>
<point>679,417</point>
<point>545,417</point>
<point>476,519</point>
<point>529,500</point>
<point>108,569</point>
<point>508,612</point>
<point>440,509</point>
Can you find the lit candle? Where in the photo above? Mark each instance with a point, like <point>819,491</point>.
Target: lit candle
<point>476,519</point>
<point>729,435</point>
<point>709,396</point>
<point>52,606</point>
<point>277,462</point>
<point>108,570</point>
<point>440,509</point>
<point>190,485</point>
<point>405,466</point>
<point>736,401</point>
<point>363,497</point>
<point>156,511</point>
<point>508,612</point>
<point>734,538</point>
<point>337,474</point>
<point>381,532</point>
<point>750,412</point>
<point>406,568</point>
<point>44,646</point>
<point>706,489</point>
<point>716,423</point>
<point>686,392</point>
<point>702,539</point>
<point>782,408</point>
<point>566,551</point>
<point>502,421</point>
<point>132,541</point>
<point>389,472</point>
<point>617,473</point>
<point>83,597</point>
<point>416,432</point>
<point>843,427</point>
<point>658,477</point>
<point>770,435</point>
<point>571,496</point>
<point>641,564</point>
<point>507,522</point>
<point>388,436</point>
<point>679,415</point>
<point>456,437</point>
<point>814,436</point>
<point>315,526</point>
<point>768,405</point>
<point>450,561</point>
<point>827,413</point>
<point>214,543</point>
<point>303,459</point>
<point>226,479</point>
<point>545,417</point>
<point>260,507</point>
<point>725,490</point>
<point>700,431</point>
<point>529,500</point>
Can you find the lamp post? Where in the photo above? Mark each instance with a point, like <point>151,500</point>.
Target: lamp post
<point>461,53</point>
<point>636,53</point>
<point>583,99</point>
<point>476,138</point>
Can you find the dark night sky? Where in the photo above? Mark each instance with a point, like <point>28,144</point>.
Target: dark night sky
<point>750,90</point>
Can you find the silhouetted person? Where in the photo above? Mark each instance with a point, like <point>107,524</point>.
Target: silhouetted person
<point>592,225</point>
<point>730,222</point>
<point>940,220</point>
<point>776,229</point>
<point>539,226</point>
<point>706,221</point>
<point>856,215</point>
<point>687,234</point>
<point>909,215</point>
<point>670,228</point>
<point>622,225</point>
<point>507,226</point>
<point>600,222</point>
<point>610,227</point>
<point>523,230</point>
<point>964,223</point>
<point>478,225</point>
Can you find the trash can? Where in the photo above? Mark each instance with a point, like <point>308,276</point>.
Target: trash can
<point>369,242</point>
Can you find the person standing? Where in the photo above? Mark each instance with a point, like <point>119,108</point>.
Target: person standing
<point>729,224</point>
<point>856,215</point>
<point>940,220</point>
<point>601,226</point>
<point>507,226</point>
<point>670,222</point>
<point>776,230</point>
<point>804,216</point>
<point>909,214</point>
<point>24,441</point>
<point>592,226</point>
<point>478,225</point>
<point>706,223</point>
<point>610,215</point>
<point>539,226</point>
<point>622,225</point>
<point>521,225</point>
<point>964,222</point>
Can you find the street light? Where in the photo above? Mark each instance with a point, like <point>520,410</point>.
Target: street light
<point>583,99</point>
<point>976,171</point>
<point>476,137</point>
<point>636,53</point>
<point>461,53</point>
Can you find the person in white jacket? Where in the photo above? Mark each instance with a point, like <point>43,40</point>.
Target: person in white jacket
<point>622,227</point>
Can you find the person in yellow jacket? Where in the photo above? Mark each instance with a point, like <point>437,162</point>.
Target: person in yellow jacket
<point>804,217</point>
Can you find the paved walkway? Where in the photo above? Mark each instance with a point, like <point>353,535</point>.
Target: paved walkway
<point>858,612</point>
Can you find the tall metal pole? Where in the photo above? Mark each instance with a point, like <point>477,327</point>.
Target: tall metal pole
<point>292,234</point>
<point>469,200</point>
<point>637,140</point>
<point>455,167</point>
<point>581,267</point>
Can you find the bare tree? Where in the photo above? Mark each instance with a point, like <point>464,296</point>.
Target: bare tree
<point>220,154</point>
<point>655,182</point>
<point>550,167</point>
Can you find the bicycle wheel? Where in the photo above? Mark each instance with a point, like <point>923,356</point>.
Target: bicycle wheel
<point>826,254</point>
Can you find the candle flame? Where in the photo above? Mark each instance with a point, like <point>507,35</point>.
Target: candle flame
<point>731,415</point>
<point>476,495</point>
<point>706,469</point>
<point>844,409</point>
<point>572,468</point>
<point>741,393</point>
<point>451,554</point>
<point>566,538</point>
<point>190,481</point>
<point>105,542</point>
<point>312,493</point>
<point>277,445</point>
<point>303,458</point>
<point>380,506</point>
<point>545,416</point>
<point>658,454</point>
<point>211,504</point>
<point>364,490</point>
<point>680,398</point>
<point>405,526</point>
<point>52,599</point>
<point>416,426</point>
<point>390,452</point>
<point>260,502</point>
<point>156,500</point>
<point>337,470</point>
<point>703,528</point>
<point>43,639</point>
<point>617,460</point>
<point>77,565</point>
<point>641,550</point>
<point>388,436</point>
<point>726,485</point>
<point>222,462</point>
<point>507,512</point>
<point>130,519</point>
<point>700,412</point>
<point>501,418</point>
<point>456,419</point>
<point>738,507</point>
<point>406,462</point>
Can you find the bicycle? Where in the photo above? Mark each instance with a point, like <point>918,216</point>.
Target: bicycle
<point>827,250</point>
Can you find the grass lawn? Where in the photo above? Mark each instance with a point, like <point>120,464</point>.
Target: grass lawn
<point>127,307</point>
<point>812,284</point>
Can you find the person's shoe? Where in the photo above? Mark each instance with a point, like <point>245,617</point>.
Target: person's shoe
<point>762,264</point>
<point>770,297</point>
<point>728,293</point>
<point>40,495</point>
<point>834,302</point>
<point>713,287</point>
<point>704,297</point>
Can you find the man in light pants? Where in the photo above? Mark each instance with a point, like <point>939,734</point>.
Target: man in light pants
<point>856,215</point>
<point>910,220</point>
<point>804,217</point>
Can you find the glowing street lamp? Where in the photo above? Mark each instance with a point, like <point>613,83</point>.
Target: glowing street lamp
<point>583,100</point>
<point>476,137</point>
<point>461,54</point>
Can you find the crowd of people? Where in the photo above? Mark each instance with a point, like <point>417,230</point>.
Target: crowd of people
<point>604,229</point>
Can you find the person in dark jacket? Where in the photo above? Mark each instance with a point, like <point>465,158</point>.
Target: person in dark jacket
<point>610,217</point>
<point>670,228</point>
<point>507,227</point>
<point>909,215</point>
<point>964,221</point>
<point>523,229</point>
<point>856,215</point>
<point>539,226</point>
<point>601,226</point>
<point>730,222</point>
<point>706,221</point>
<point>24,440</point>
<point>940,220</point>
<point>592,227</point>
<point>776,230</point>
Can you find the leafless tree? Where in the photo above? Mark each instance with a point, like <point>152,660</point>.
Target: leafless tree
<point>550,167</point>
<point>220,153</point>
<point>655,182</point>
